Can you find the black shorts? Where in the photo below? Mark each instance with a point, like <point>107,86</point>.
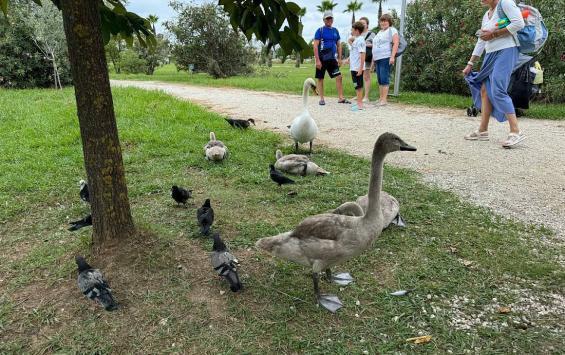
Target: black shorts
<point>329,65</point>
<point>357,80</point>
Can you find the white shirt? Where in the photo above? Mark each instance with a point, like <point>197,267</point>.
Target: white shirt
<point>382,43</point>
<point>516,24</point>
<point>357,47</point>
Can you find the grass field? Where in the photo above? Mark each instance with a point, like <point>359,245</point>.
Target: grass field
<point>462,262</point>
<point>286,78</point>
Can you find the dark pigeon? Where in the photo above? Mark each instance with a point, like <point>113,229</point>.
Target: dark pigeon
<point>243,124</point>
<point>92,284</point>
<point>225,263</point>
<point>83,192</point>
<point>278,177</point>
<point>180,195</point>
<point>205,216</point>
<point>85,222</point>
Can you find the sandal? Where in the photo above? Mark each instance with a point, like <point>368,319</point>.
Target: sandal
<point>322,103</point>
<point>344,101</point>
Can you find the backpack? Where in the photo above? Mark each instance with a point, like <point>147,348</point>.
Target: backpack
<point>368,53</point>
<point>326,53</point>
<point>401,43</point>
<point>533,36</point>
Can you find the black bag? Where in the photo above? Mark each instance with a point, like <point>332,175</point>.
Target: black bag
<point>326,53</point>
<point>368,51</point>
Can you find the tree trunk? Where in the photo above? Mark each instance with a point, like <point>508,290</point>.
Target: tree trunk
<point>353,18</point>
<point>380,10</point>
<point>111,216</point>
<point>298,60</point>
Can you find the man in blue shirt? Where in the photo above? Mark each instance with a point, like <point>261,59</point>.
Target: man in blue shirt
<point>326,45</point>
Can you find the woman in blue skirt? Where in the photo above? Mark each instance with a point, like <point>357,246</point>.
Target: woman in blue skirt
<point>489,86</point>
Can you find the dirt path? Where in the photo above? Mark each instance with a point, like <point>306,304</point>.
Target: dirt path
<point>527,182</point>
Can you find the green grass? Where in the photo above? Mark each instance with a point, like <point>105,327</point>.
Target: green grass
<point>170,295</point>
<point>286,78</point>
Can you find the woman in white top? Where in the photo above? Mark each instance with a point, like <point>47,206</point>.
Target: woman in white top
<point>385,46</point>
<point>489,86</point>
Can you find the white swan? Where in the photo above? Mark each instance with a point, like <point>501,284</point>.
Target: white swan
<point>303,128</point>
<point>215,150</point>
<point>297,164</point>
<point>325,240</point>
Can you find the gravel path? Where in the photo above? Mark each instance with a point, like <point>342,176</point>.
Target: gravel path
<point>527,182</point>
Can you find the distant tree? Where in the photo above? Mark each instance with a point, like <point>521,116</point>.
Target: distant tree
<point>205,38</point>
<point>380,2</point>
<point>301,14</point>
<point>114,50</point>
<point>352,7</point>
<point>153,19</point>
<point>326,5</point>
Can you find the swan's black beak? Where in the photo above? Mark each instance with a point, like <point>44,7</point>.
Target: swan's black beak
<point>407,147</point>
<point>315,90</point>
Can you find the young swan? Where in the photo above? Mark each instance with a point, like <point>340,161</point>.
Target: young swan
<point>297,164</point>
<point>303,128</point>
<point>325,240</point>
<point>215,150</point>
<point>389,206</point>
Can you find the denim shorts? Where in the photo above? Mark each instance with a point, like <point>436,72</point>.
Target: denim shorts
<point>382,68</point>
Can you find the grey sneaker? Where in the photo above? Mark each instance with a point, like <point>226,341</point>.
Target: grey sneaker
<point>513,139</point>
<point>477,136</point>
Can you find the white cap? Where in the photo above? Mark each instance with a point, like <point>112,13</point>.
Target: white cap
<point>328,13</point>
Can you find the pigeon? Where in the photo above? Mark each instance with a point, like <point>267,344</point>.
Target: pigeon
<point>85,222</point>
<point>205,216</point>
<point>92,284</point>
<point>83,192</point>
<point>243,124</point>
<point>180,195</point>
<point>278,177</point>
<point>225,263</point>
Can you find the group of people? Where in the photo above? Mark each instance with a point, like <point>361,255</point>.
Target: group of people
<point>369,51</point>
<point>377,51</point>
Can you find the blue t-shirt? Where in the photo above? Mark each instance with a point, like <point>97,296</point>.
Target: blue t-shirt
<point>330,36</point>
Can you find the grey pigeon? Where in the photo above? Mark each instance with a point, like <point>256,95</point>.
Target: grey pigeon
<point>83,192</point>
<point>92,284</point>
<point>180,195</point>
<point>205,216</point>
<point>85,222</point>
<point>225,263</point>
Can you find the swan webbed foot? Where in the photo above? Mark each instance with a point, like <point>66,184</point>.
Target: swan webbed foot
<point>330,302</point>
<point>399,221</point>
<point>310,147</point>
<point>342,279</point>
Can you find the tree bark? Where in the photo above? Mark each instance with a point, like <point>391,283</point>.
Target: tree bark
<point>111,215</point>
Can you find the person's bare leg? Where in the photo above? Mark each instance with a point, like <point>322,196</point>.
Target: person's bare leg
<point>385,94</point>
<point>339,86</point>
<point>513,121</point>
<point>367,84</point>
<point>359,98</point>
<point>486,110</point>
<point>380,94</point>
<point>320,88</point>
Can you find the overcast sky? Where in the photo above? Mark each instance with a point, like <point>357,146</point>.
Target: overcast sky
<point>312,20</point>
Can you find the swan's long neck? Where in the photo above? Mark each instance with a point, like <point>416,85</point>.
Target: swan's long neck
<point>305,95</point>
<point>374,212</point>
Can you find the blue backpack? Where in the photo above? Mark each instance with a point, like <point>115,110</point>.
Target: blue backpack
<point>533,36</point>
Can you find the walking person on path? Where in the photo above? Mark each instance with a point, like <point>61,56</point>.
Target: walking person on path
<point>326,45</point>
<point>368,37</point>
<point>489,86</point>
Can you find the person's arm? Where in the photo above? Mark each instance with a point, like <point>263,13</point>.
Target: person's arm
<point>477,52</point>
<point>316,54</point>
<point>369,41</point>
<point>395,44</point>
<point>360,71</point>
<point>516,22</point>
<point>338,45</point>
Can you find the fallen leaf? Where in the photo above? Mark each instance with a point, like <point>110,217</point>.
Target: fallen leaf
<point>420,340</point>
<point>292,193</point>
<point>452,250</point>
<point>401,293</point>
<point>503,310</point>
<point>466,263</point>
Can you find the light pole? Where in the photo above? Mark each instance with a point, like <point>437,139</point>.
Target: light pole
<point>399,60</point>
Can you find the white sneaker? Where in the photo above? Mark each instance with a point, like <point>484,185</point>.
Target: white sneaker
<point>513,139</point>
<point>477,136</point>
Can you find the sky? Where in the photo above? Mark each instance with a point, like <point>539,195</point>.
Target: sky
<point>312,21</point>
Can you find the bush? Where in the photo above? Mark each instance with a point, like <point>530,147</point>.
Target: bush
<point>131,63</point>
<point>204,37</point>
<point>22,64</point>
